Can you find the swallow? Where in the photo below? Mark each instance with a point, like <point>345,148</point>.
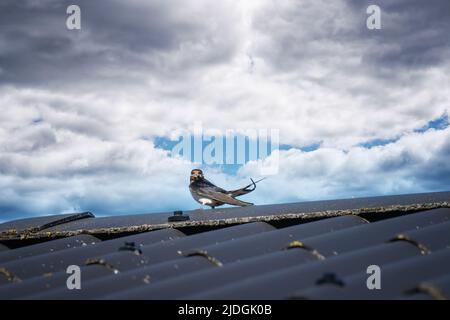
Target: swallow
<point>206,193</point>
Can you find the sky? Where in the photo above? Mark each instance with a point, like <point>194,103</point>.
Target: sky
<point>86,116</point>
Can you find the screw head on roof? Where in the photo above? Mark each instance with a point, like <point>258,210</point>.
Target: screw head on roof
<point>130,246</point>
<point>330,278</point>
<point>178,216</point>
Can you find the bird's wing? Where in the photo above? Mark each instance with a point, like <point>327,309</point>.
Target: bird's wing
<point>208,184</point>
<point>222,197</point>
<point>245,190</point>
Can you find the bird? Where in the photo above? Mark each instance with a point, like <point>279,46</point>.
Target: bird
<point>206,193</point>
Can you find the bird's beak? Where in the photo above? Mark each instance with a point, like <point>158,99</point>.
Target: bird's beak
<point>195,176</point>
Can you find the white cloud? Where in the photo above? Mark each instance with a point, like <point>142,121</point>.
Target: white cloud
<point>417,162</point>
<point>75,107</point>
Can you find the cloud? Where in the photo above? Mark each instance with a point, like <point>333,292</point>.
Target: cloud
<point>417,162</point>
<point>81,174</point>
<point>80,109</point>
<point>131,41</point>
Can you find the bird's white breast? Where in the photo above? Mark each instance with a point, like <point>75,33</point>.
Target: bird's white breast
<point>205,201</point>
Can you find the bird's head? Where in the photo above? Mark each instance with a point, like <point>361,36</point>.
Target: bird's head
<point>196,174</point>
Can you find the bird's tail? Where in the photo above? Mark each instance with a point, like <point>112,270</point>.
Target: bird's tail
<point>246,189</point>
<point>245,204</point>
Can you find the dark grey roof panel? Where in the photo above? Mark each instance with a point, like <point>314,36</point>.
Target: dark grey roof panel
<point>152,254</point>
<point>118,261</point>
<point>280,239</point>
<point>320,253</point>
<point>5,277</point>
<point>373,233</point>
<point>325,243</point>
<point>145,276</point>
<point>47,247</point>
<point>56,261</point>
<point>3,247</point>
<point>313,209</point>
<point>285,282</point>
<point>50,282</point>
<point>153,242</point>
<point>428,239</point>
<point>41,223</point>
<point>432,289</point>
<point>417,296</point>
<point>173,249</point>
<point>116,222</point>
<point>396,278</point>
<point>341,206</point>
<point>203,280</point>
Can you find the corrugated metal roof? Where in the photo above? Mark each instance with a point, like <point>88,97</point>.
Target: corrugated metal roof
<point>431,289</point>
<point>376,207</point>
<point>312,250</point>
<point>48,247</point>
<point>23,226</point>
<point>57,261</point>
<point>398,277</point>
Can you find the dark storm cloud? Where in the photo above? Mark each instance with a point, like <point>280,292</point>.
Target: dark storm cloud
<point>414,35</point>
<point>417,30</point>
<point>118,40</point>
<point>125,41</point>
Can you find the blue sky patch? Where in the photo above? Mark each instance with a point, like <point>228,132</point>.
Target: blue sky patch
<point>440,123</point>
